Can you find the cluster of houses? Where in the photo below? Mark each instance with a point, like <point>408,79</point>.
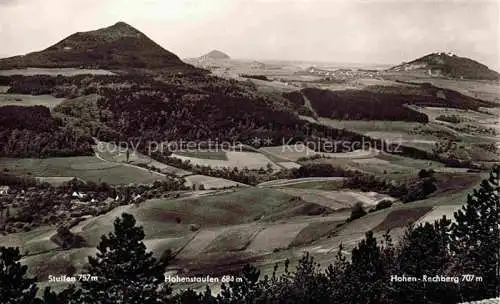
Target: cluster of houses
<point>55,206</point>
<point>71,203</point>
<point>340,74</point>
<point>4,190</point>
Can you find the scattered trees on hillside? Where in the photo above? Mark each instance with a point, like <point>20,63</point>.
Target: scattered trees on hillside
<point>66,239</point>
<point>425,173</point>
<point>321,170</point>
<point>384,204</point>
<point>449,118</point>
<point>357,211</point>
<point>412,190</point>
<point>258,77</point>
<point>245,175</point>
<point>254,177</point>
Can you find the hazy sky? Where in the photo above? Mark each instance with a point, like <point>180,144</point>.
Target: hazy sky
<point>355,31</point>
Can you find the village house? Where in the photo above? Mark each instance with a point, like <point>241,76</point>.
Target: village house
<point>4,190</point>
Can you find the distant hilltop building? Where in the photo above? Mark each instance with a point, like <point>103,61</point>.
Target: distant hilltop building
<point>451,54</point>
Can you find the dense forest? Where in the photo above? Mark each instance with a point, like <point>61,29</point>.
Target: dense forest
<point>160,107</point>
<point>441,262</point>
<point>30,118</point>
<point>426,94</point>
<point>297,100</point>
<point>144,108</point>
<point>383,102</point>
<point>33,132</point>
<point>360,104</point>
<point>258,77</point>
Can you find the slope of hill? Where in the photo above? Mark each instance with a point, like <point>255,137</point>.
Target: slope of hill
<point>115,47</point>
<point>449,65</point>
<point>187,107</point>
<point>215,55</point>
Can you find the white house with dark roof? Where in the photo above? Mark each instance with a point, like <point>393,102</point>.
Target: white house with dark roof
<point>4,190</point>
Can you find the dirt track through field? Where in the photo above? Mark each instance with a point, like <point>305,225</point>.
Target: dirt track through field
<point>307,104</point>
<point>336,199</point>
<point>276,236</point>
<point>200,242</point>
<point>438,212</point>
<point>288,182</point>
